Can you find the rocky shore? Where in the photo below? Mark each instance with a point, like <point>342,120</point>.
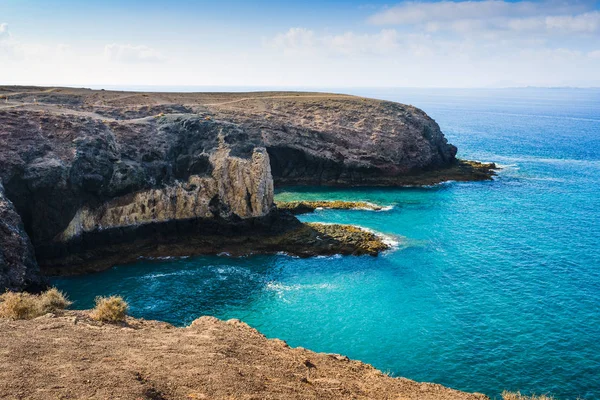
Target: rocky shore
<point>69,355</point>
<point>304,207</point>
<point>246,237</point>
<point>91,178</point>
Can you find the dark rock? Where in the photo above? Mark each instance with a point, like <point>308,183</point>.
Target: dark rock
<point>18,267</point>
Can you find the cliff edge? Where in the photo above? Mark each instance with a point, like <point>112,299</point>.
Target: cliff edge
<point>72,356</point>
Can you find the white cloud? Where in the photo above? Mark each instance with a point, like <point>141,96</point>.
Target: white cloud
<point>295,40</point>
<point>475,16</point>
<point>14,49</point>
<point>349,43</point>
<point>594,54</point>
<point>413,12</point>
<point>304,41</point>
<point>588,22</point>
<point>126,53</point>
<point>4,33</point>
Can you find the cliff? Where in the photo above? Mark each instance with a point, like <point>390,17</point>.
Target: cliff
<point>92,174</point>
<point>18,267</point>
<point>210,359</point>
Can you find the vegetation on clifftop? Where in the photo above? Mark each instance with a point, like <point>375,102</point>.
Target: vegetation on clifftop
<point>15,305</point>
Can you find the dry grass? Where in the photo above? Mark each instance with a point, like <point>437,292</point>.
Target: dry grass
<point>27,306</point>
<point>52,300</point>
<point>110,309</point>
<point>518,396</point>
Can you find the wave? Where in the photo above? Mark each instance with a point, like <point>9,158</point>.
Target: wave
<point>373,206</point>
<point>329,257</point>
<point>281,288</point>
<point>546,160</point>
<point>370,207</point>
<point>392,241</point>
<point>167,274</point>
<point>543,179</point>
<point>433,186</point>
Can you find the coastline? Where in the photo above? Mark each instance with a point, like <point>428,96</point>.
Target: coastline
<point>274,234</point>
<point>91,186</point>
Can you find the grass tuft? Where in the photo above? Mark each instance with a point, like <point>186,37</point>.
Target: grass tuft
<point>518,396</point>
<point>110,309</point>
<point>27,306</point>
<point>52,300</point>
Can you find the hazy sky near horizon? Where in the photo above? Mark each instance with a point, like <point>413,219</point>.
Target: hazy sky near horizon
<point>329,43</point>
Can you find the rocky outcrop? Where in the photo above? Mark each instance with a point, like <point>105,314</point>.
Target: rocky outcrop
<point>275,233</point>
<point>236,187</point>
<point>305,206</point>
<point>18,267</point>
<point>89,169</point>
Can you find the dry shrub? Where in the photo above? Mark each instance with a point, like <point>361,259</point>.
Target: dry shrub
<point>110,309</point>
<point>518,396</point>
<point>18,306</point>
<point>52,300</point>
<point>26,306</point>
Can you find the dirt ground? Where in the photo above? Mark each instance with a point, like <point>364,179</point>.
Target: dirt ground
<point>71,356</point>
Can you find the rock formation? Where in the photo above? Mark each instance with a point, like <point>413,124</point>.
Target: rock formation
<point>18,268</point>
<point>89,169</point>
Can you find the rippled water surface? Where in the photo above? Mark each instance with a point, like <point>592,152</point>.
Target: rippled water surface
<point>492,285</point>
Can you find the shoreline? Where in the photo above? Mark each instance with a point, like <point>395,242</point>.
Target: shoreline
<point>458,171</point>
<point>299,239</point>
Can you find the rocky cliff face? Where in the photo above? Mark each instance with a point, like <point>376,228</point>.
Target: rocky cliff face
<point>87,168</point>
<point>236,187</point>
<point>18,268</point>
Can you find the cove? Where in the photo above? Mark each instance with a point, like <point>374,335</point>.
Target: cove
<point>492,285</point>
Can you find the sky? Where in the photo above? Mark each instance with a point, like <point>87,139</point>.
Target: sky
<point>328,43</point>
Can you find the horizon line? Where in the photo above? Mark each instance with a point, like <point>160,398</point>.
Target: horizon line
<point>141,87</point>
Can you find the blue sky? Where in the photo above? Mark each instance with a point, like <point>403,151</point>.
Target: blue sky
<point>487,43</point>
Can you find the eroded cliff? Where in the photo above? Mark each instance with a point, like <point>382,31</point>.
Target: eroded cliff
<point>90,172</point>
<point>18,267</point>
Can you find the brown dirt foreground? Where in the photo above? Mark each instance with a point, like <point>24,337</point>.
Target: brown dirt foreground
<point>73,357</point>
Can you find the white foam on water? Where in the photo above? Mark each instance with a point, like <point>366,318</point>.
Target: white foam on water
<point>547,160</point>
<point>392,241</point>
<point>281,288</point>
<point>435,185</point>
<point>330,257</point>
<point>283,253</point>
<point>167,274</point>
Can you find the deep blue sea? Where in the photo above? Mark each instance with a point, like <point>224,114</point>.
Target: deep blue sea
<point>491,286</point>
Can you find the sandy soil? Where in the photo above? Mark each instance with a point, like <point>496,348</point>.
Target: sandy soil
<point>73,357</point>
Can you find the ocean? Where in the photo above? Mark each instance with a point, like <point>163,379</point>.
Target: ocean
<point>490,286</point>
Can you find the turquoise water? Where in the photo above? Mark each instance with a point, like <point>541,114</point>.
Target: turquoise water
<point>492,285</point>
